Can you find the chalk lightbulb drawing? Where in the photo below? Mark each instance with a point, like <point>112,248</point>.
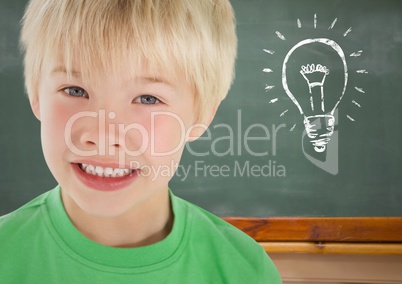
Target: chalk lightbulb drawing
<point>319,139</point>
<point>318,118</point>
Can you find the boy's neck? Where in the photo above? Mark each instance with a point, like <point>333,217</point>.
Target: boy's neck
<point>143,225</point>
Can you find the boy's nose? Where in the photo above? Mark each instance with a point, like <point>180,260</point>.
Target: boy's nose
<point>100,133</point>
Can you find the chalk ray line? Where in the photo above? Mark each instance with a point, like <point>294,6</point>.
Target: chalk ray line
<point>360,90</point>
<point>315,21</point>
<point>269,51</point>
<point>283,113</point>
<point>347,32</point>
<point>280,36</point>
<point>333,24</point>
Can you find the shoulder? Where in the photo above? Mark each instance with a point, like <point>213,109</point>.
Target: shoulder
<point>207,226</point>
<point>218,241</point>
<point>23,217</point>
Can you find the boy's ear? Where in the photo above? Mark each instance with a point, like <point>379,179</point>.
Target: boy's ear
<point>35,107</point>
<point>198,129</point>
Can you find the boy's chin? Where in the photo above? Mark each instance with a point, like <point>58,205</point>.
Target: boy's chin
<point>97,204</point>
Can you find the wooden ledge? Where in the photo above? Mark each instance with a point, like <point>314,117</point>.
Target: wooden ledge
<point>333,248</point>
<point>306,229</point>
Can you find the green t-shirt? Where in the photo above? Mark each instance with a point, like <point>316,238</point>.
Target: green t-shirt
<point>39,244</point>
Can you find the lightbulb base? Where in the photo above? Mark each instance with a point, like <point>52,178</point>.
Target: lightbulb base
<point>319,129</point>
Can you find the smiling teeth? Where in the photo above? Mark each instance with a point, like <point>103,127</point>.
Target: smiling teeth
<point>104,172</point>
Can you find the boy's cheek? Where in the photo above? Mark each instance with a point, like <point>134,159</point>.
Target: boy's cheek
<point>55,120</point>
<point>167,135</point>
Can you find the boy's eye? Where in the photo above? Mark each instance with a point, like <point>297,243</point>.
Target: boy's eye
<point>147,100</point>
<point>76,92</point>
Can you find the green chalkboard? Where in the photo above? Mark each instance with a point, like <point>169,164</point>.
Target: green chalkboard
<point>311,126</point>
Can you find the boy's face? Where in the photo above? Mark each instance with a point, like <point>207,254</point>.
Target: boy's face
<point>137,124</point>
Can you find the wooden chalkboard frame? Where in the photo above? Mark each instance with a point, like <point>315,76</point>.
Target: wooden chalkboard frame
<point>349,235</point>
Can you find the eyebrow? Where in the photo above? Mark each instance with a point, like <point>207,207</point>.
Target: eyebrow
<point>60,69</point>
<point>144,80</point>
<point>150,80</point>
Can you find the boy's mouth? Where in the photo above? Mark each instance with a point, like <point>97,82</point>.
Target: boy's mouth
<point>105,171</point>
<point>105,178</point>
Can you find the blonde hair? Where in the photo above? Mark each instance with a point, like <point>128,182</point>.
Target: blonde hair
<point>193,37</point>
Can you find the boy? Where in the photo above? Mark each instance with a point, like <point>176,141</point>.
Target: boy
<point>119,87</point>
